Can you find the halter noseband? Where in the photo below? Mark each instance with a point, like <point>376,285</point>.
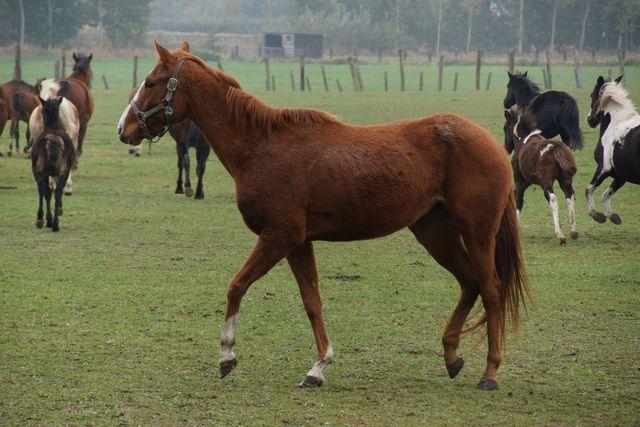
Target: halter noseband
<point>164,104</point>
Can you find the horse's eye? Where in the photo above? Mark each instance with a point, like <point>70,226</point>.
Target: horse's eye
<point>149,84</point>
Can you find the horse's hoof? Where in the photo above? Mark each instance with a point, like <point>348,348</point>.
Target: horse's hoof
<point>55,228</point>
<point>615,218</point>
<point>179,190</point>
<point>188,192</point>
<point>68,193</point>
<point>60,211</point>
<point>574,235</point>
<point>39,223</point>
<point>310,382</point>
<point>488,384</point>
<point>9,153</point>
<point>132,151</point>
<point>137,154</point>
<point>598,216</point>
<point>227,366</point>
<point>563,241</point>
<point>199,196</point>
<point>455,368</point>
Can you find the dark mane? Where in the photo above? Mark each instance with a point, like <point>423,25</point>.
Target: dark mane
<point>251,114</point>
<point>527,84</point>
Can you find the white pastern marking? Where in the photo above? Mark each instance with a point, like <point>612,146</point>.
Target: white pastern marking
<point>571,205</point>
<point>553,204</point>
<point>545,149</point>
<point>590,202</point>
<point>518,216</point>
<point>321,364</point>
<point>606,201</point>
<point>228,338</point>
<point>126,110</point>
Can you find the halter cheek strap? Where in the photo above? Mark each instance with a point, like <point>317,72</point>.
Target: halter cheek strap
<point>163,105</point>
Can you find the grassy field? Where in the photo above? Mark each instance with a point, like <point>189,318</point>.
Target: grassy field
<point>116,318</point>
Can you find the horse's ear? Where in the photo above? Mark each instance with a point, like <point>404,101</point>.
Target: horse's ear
<point>75,56</point>
<point>600,80</point>
<point>525,73</point>
<point>58,100</point>
<point>619,79</point>
<point>90,57</point>
<point>42,101</point>
<point>185,46</point>
<point>38,86</point>
<point>164,54</point>
<point>510,75</point>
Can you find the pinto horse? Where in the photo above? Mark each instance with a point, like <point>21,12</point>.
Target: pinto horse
<point>303,175</point>
<point>540,161</point>
<point>76,90</point>
<point>617,152</point>
<point>554,112</point>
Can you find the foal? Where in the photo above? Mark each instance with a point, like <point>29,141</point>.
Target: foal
<point>52,156</point>
<point>537,160</point>
<point>187,135</point>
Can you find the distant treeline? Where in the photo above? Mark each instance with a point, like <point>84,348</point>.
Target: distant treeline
<point>375,25</point>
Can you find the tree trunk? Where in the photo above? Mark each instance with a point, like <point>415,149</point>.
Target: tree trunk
<point>584,26</point>
<point>20,2</point>
<point>439,27</point>
<point>552,41</point>
<point>469,32</point>
<point>50,4</point>
<point>521,27</point>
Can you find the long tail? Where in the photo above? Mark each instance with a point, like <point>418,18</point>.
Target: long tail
<point>565,160</point>
<point>16,102</point>
<point>514,285</point>
<point>569,120</point>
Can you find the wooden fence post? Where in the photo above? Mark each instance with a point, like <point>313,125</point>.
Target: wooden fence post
<point>135,71</point>
<point>440,69</point>
<point>63,68</point>
<point>512,62</point>
<point>105,82</point>
<point>17,68</point>
<point>544,78</point>
<point>578,70</point>
<point>302,79</point>
<point>219,63</point>
<point>353,74</point>
<point>401,59</point>
<point>478,65</point>
<point>421,81</point>
<point>549,78</point>
<point>360,85</point>
<point>56,69</point>
<point>308,83</point>
<point>293,81</point>
<point>267,74</point>
<point>455,82</point>
<point>273,82</point>
<point>386,82</point>
<point>339,85</point>
<point>324,79</point>
<point>621,60</point>
<point>489,80</point>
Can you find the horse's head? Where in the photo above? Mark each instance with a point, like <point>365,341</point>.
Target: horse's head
<point>51,110</point>
<point>518,85</point>
<point>82,63</point>
<point>510,120</point>
<point>158,101</point>
<point>596,114</point>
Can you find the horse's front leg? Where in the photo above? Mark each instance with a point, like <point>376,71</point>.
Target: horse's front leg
<point>267,252</point>
<point>606,201</point>
<point>597,179</point>
<point>42,183</point>
<point>186,164</point>
<point>47,197</point>
<point>14,134</point>
<point>57,209</point>
<point>303,266</point>
<point>180,152</point>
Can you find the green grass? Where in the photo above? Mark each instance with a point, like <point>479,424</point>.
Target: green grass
<point>116,318</point>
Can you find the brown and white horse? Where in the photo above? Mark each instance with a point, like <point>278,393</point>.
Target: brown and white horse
<point>7,92</point>
<point>541,161</point>
<point>303,175</point>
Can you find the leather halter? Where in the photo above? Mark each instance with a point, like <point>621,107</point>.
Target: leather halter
<point>163,105</point>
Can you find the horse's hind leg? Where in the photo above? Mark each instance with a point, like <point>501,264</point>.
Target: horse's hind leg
<point>68,187</point>
<point>553,205</point>
<point>47,197</point>
<point>438,234</point>
<point>180,151</point>
<point>567,188</point>
<point>81,134</point>
<point>14,134</point>
<point>186,164</point>
<point>606,200</point>
<point>303,266</point>
<point>202,153</point>
<point>42,183</point>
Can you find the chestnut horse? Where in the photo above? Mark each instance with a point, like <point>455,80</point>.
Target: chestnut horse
<point>7,92</point>
<point>77,91</point>
<point>303,175</point>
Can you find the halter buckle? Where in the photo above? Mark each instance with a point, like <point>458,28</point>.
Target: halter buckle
<point>141,117</point>
<point>172,84</point>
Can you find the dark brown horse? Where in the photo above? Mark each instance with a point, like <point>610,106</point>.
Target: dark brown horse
<point>9,90</point>
<point>24,103</point>
<point>303,175</point>
<point>4,114</point>
<point>77,91</point>
<point>187,135</point>
<point>540,161</point>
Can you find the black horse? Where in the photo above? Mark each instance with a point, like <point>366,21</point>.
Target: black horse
<point>187,135</point>
<point>555,112</point>
<point>618,150</point>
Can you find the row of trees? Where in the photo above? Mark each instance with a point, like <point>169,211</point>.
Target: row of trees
<point>52,23</point>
